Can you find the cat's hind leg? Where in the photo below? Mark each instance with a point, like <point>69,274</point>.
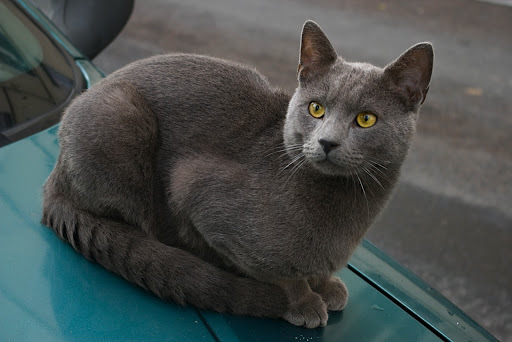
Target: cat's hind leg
<point>109,140</point>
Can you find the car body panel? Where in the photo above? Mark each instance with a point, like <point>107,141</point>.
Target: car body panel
<point>415,296</point>
<point>91,73</point>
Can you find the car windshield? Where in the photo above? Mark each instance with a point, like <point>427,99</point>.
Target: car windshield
<point>35,76</point>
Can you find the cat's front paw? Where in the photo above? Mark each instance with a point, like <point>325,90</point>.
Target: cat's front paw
<point>333,292</point>
<point>310,311</point>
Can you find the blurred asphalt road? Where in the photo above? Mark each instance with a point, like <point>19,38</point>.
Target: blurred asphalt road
<point>450,220</point>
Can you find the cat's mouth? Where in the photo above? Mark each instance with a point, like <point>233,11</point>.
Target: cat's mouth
<point>335,163</point>
<point>333,168</point>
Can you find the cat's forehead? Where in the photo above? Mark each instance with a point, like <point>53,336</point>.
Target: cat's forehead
<point>346,84</point>
<point>351,79</point>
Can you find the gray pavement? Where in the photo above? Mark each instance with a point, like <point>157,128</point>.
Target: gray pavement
<point>450,220</point>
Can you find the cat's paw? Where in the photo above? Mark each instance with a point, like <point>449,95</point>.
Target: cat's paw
<point>333,292</point>
<point>310,312</point>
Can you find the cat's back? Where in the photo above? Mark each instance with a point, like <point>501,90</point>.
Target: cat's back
<point>196,81</point>
<point>204,97</point>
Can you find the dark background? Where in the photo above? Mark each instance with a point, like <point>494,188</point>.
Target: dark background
<point>450,220</point>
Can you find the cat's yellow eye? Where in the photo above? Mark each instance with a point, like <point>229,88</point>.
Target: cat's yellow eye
<point>366,120</point>
<point>316,110</point>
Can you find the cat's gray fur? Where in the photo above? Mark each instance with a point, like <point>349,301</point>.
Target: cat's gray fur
<point>195,179</point>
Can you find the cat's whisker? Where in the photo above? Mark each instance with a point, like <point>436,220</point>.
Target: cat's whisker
<point>283,154</point>
<point>280,146</point>
<point>267,149</point>
<point>378,162</point>
<point>374,166</point>
<point>353,182</point>
<point>382,174</point>
<point>382,170</point>
<point>364,193</point>
<point>296,158</point>
<point>294,169</point>
<point>378,159</point>
<point>373,177</point>
<point>363,177</point>
<point>284,150</point>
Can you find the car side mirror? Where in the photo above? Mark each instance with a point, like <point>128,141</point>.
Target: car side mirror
<point>90,25</point>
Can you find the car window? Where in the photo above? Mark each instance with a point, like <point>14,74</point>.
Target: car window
<point>36,78</point>
<point>20,51</point>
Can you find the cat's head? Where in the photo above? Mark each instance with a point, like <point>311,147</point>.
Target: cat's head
<point>346,116</point>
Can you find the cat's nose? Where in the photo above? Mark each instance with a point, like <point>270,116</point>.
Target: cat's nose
<point>328,145</point>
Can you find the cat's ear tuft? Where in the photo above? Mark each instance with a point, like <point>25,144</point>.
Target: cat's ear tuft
<point>316,52</point>
<point>410,74</point>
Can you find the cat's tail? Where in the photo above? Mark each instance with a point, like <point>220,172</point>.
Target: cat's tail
<point>170,273</point>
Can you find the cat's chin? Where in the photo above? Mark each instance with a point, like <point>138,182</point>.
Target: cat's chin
<point>329,168</point>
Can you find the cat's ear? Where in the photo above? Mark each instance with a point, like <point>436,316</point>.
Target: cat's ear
<point>316,52</point>
<point>410,74</point>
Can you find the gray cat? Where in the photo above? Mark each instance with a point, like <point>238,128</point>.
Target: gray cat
<point>195,179</point>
